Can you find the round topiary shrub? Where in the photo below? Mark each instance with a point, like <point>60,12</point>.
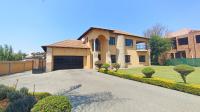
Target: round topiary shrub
<point>53,104</point>
<point>184,70</point>
<point>148,72</point>
<point>98,64</point>
<point>116,66</point>
<point>106,66</point>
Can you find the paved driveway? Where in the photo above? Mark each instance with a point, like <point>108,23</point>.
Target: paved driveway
<point>90,91</point>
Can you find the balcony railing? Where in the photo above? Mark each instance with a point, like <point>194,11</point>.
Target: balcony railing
<point>141,47</point>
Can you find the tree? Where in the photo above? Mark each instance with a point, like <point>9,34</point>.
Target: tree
<point>158,46</point>
<point>7,54</point>
<point>184,70</point>
<point>158,30</point>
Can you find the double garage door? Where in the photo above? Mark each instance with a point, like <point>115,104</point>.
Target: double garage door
<point>68,62</point>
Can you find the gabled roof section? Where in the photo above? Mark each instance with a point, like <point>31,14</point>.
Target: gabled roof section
<point>110,30</point>
<point>68,44</point>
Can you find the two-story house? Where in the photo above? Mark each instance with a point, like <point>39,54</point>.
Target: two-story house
<point>106,45</point>
<point>185,44</point>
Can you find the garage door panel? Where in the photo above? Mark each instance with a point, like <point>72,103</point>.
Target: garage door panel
<point>68,62</point>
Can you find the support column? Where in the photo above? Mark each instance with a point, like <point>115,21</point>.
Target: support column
<point>121,50</point>
<point>95,54</point>
<point>149,57</point>
<point>108,58</point>
<point>49,60</point>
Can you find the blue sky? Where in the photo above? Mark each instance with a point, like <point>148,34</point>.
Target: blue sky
<point>29,24</point>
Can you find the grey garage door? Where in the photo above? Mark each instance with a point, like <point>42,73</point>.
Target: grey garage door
<point>68,62</point>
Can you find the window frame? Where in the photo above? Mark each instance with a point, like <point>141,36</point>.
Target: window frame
<point>129,44</point>
<point>127,58</point>
<point>112,41</point>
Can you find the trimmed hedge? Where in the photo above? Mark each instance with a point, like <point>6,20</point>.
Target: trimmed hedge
<point>188,88</point>
<point>189,61</point>
<point>53,104</point>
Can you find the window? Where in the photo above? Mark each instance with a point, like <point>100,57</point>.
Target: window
<point>183,41</point>
<point>172,55</point>
<point>127,59</point>
<point>197,38</point>
<point>142,58</point>
<point>99,56</point>
<point>112,41</point>
<point>97,43</point>
<point>180,54</point>
<point>113,58</point>
<point>129,42</point>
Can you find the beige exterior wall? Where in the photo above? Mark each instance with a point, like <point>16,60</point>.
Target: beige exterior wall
<point>191,50</point>
<point>90,56</point>
<point>114,49</point>
<point>67,52</point>
<point>10,67</point>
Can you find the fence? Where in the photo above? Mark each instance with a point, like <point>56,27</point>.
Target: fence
<point>10,67</point>
<point>188,61</point>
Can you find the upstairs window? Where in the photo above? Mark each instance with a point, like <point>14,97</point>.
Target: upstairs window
<point>112,41</point>
<point>183,41</point>
<point>197,38</point>
<point>129,42</point>
<point>127,59</point>
<point>113,58</point>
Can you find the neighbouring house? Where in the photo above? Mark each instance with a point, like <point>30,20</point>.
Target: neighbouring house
<point>185,44</point>
<point>106,45</point>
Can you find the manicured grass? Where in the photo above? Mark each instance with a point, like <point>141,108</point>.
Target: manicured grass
<point>168,73</point>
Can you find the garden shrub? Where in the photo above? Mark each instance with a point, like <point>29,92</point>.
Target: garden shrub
<point>21,105</point>
<point>106,66</point>
<point>98,64</point>
<point>184,70</point>
<point>14,95</point>
<point>4,90</point>
<point>116,66</point>
<point>1,110</point>
<point>52,104</point>
<point>41,95</point>
<point>24,91</point>
<point>148,72</point>
<point>188,88</point>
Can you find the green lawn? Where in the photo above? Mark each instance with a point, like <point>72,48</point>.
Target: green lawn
<point>168,73</point>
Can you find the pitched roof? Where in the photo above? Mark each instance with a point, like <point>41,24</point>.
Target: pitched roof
<point>68,44</point>
<point>179,33</point>
<point>110,30</point>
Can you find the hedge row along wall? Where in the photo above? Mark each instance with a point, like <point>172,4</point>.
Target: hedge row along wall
<point>188,61</point>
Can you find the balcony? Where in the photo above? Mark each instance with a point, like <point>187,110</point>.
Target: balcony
<point>141,47</point>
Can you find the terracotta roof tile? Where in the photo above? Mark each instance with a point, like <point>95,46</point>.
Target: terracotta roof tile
<point>111,30</point>
<point>69,44</point>
<point>181,32</point>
